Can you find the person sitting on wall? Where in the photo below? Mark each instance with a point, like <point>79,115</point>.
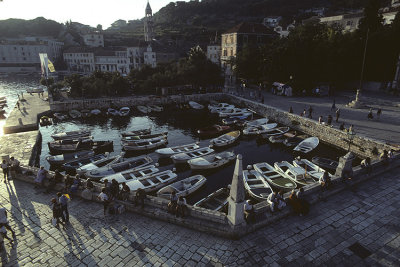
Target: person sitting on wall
<point>249,213</point>
<point>56,178</point>
<point>281,200</point>
<point>172,203</point>
<point>366,164</point>
<point>295,203</point>
<point>384,157</point>
<point>325,182</point>
<point>272,201</point>
<point>181,207</point>
<point>140,197</point>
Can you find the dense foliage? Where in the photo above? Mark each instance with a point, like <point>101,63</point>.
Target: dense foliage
<point>35,27</point>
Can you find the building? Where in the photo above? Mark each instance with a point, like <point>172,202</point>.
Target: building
<point>93,39</point>
<point>348,22</point>
<point>148,24</point>
<point>22,54</point>
<point>79,59</point>
<point>272,21</point>
<point>233,41</point>
<point>214,53</point>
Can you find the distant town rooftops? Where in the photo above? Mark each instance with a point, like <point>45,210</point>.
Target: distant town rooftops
<point>250,27</point>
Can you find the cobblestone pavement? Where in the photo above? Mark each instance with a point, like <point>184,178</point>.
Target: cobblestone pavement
<point>386,129</point>
<point>369,216</point>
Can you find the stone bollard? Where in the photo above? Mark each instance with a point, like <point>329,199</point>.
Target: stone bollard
<point>345,164</point>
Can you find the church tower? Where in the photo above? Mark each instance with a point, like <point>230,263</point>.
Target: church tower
<point>148,24</point>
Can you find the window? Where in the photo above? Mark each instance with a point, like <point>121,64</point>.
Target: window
<point>231,54</point>
<point>24,58</point>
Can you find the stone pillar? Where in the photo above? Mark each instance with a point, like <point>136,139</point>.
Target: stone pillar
<point>345,164</point>
<point>236,198</point>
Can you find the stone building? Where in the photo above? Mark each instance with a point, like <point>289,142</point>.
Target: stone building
<point>22,54</point>
<point>242,35</point>
<point>93,39</point>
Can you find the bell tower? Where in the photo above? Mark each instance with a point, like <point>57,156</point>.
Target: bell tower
<point>148,24</point>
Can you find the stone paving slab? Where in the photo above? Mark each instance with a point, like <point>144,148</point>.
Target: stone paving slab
<point>368,216</point>
<point>26,118</point>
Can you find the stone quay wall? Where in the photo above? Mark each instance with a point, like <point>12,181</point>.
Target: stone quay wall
<point>118,102</point>
<point>361,146</point>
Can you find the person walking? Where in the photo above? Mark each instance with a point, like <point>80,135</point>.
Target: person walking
<point>333,105</point>
<point>5,167</point>
<point>291,110</point>
<point>57,212</point>
<point>378,113</point>
<point>63,200</point>
<point>337,114</point>
<point>370,116</point>
<point>310,111</point>
<point>341,127</point>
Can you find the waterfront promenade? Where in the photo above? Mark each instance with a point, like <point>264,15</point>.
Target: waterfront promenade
<point>26,117</point>
<point>326,236</point>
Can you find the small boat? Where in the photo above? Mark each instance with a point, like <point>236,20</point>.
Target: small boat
<point>274,132</point>
<point>297,174</point>
<point>143,109</point>
<point>153,182</point>
<point>256,185</point>
<point>294,141</point>
<point>69,146</point>
<point>124,111</point>
<point>131,174</point>
<point>195,105</point>
<point>59,116</point>
<point>112,112</point>
<point>214,107</point>
<point>264,128</point>
<point>95,112</point>
<point>217,200</point>
<point>257,122</point>
<point>71,135</point>
<point>273,177</point>
<point>70,167</point>
<point>235,120</point>
<point>327,164</point>
<point>307,145</point>
<point>170,151</point>
<point>98,164</point>
<point>225,139</point>
<point>144,144</point>
<point>44,121</point>
<point>234,112</point>
<point>185,157</point>
<point>86,113</point>
<point>74,114</point>
<point>183,187</point>
<point>64,158</point>
<point>135,138</point>
<point>155,108</point>
<point>310,168</point>
<point>211,161</point>
<point>122,165</point>
<point>213,130</point>
<point>277,139</point>
<point>136,132</point>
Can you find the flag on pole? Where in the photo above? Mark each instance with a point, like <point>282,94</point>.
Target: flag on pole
<point>44,64</point>
<point>51,66</point>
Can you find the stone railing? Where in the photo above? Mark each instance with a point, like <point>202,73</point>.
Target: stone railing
<point>361,146</point>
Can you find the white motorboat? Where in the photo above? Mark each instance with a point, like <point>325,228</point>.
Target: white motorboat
<point>274,132</point>
<point>131,174</point>
<point>258,122</point>
<point>122,165</point>
<point>64,158</point>
<point>155,108</point>
<point>143,109</point>
<point>234,112</point>
<point>153,182</point>
<point>263,128</point>
<point>124,111</point>
<point>211,161</point>
<point>225,139</point>
<point>273,177</point>
<point>95,112</point>
<point>195,105</point>
<point>71,135</point>
<point>220,107</point>
<point>136,138</point>
<point>217,200</point>
<point>136,132</point>
<point>59,116</point>
<point>98,164</point>
<point>74,114</point>
<point>112,112</point>
<point>256,185</point>
<point>310,168</point>
<point>296,174</point>
<point>183,187</point>
<point>184,157</point>
<point>170,151</point>
<point>307,145</point>
<point>145,144</point>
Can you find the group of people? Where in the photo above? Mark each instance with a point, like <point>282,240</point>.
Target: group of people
<point>60,208</point>
<point>10,169</point>
<point>177,205</point>
<point>370,116</point>
<point>296,200</point>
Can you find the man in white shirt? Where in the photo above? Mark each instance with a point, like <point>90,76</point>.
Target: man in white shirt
<point>104,198</point>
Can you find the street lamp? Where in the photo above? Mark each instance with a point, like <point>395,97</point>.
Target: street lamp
<point>350,137</point>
